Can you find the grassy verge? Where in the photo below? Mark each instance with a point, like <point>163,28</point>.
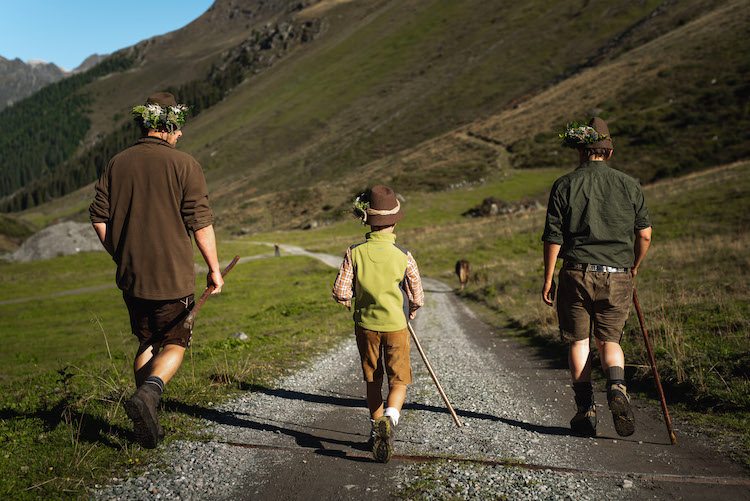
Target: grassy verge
<point>67,368</point>
<point>426,212</point>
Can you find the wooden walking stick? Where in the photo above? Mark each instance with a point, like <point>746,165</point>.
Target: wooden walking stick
<point>672,438</point>
<point>434,377</point>
<point>194,312</point>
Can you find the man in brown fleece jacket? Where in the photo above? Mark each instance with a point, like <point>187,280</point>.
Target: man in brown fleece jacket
<point>148,200</point>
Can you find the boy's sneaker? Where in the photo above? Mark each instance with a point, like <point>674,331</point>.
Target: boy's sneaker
<point>382,445</point>
<point>584,422</point>
<point>622,415</point>
<point>141,408</point>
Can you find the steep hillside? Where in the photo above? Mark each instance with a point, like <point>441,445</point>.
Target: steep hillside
<point>57,139</point>
<point>428,94</point>
<point>672,85</point>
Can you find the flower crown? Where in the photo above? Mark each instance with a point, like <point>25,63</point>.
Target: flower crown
<point>577,135</point>
<point>153,116</point>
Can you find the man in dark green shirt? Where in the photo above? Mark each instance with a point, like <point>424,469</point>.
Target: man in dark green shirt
<point>597,222</point>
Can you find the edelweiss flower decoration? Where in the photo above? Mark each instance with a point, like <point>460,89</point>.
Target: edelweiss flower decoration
<point>576,135</point>
<point>154,116</point>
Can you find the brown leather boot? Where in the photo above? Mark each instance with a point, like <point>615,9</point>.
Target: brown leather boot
<point>141,408</point>
<point>622,414</point>
<point>584,422</point>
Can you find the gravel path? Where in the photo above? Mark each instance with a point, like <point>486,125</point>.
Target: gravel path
<point>303,439</point>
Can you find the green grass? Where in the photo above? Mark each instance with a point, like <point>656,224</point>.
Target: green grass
<point>67,366</point>
<point>424,213</point>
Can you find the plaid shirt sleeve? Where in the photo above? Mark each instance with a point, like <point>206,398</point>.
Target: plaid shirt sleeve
<point>414,290</point>
<point>342,287</point>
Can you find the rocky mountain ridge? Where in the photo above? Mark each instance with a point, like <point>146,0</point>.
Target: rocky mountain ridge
<point>20,79</point>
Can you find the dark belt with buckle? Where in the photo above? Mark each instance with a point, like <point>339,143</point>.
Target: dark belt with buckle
<point>595,267</point>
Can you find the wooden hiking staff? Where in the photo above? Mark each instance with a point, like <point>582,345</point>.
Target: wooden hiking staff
<point>194,312</point>
<point>432,373</point>
<point>650,351</point>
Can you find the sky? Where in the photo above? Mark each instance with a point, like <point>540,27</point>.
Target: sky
<point>66,32</point>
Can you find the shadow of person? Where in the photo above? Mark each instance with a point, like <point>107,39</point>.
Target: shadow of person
<point>318,443</point>
<point>350,401</point>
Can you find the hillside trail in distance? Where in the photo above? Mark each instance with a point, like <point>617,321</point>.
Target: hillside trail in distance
<point>513,404</point>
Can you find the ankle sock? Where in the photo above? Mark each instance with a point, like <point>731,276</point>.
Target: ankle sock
<point>392,413</point>
<point>157,382</point>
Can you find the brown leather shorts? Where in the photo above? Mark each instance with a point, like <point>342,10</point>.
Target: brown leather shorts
<point>394,347</point>
<point>593,302</point>
<point>159,323</point>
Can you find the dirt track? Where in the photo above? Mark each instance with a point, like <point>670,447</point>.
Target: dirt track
<point>513,403</point>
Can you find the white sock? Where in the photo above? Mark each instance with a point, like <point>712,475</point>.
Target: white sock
<point>392,413</point>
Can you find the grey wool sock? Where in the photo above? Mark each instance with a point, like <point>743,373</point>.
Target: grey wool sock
<point>157,382</point>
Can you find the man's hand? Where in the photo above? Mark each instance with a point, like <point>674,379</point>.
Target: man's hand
<point>214,278</point>
<point>548,292</point>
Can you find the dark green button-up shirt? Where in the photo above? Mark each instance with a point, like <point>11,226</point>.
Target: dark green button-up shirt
<point>593,213</point>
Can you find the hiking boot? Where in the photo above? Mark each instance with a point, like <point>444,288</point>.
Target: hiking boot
<point>584,422</point>
<point>141,408</point>
<point>382,446</point>
<point>622,415</point>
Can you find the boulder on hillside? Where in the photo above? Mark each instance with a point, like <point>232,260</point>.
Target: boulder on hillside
<point>492,206</point>
<point>61,239</point>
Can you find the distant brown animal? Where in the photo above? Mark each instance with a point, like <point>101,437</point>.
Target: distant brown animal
<point>462,270</point>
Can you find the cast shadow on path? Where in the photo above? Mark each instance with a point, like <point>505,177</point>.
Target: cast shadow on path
<point>358,402</point>
<point>301,438</point>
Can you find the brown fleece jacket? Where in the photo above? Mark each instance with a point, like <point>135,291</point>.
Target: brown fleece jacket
<point>151,196</point>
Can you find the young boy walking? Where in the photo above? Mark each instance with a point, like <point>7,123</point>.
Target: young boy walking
<point>384,282</point>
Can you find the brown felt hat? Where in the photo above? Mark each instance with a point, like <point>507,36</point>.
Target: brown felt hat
<point>163,99</point>
<point>385,209</point>
<point>601,128</point>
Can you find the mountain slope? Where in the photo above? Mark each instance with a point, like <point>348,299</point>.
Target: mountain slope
<point>420,93</point>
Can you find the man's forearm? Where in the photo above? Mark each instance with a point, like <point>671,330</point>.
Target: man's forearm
<point>205,239</point>
<point>101,232</point>
<point>642,243</point>
<point>551,251</point>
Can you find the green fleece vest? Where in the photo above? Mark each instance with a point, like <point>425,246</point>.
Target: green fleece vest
<point>380,300</point>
